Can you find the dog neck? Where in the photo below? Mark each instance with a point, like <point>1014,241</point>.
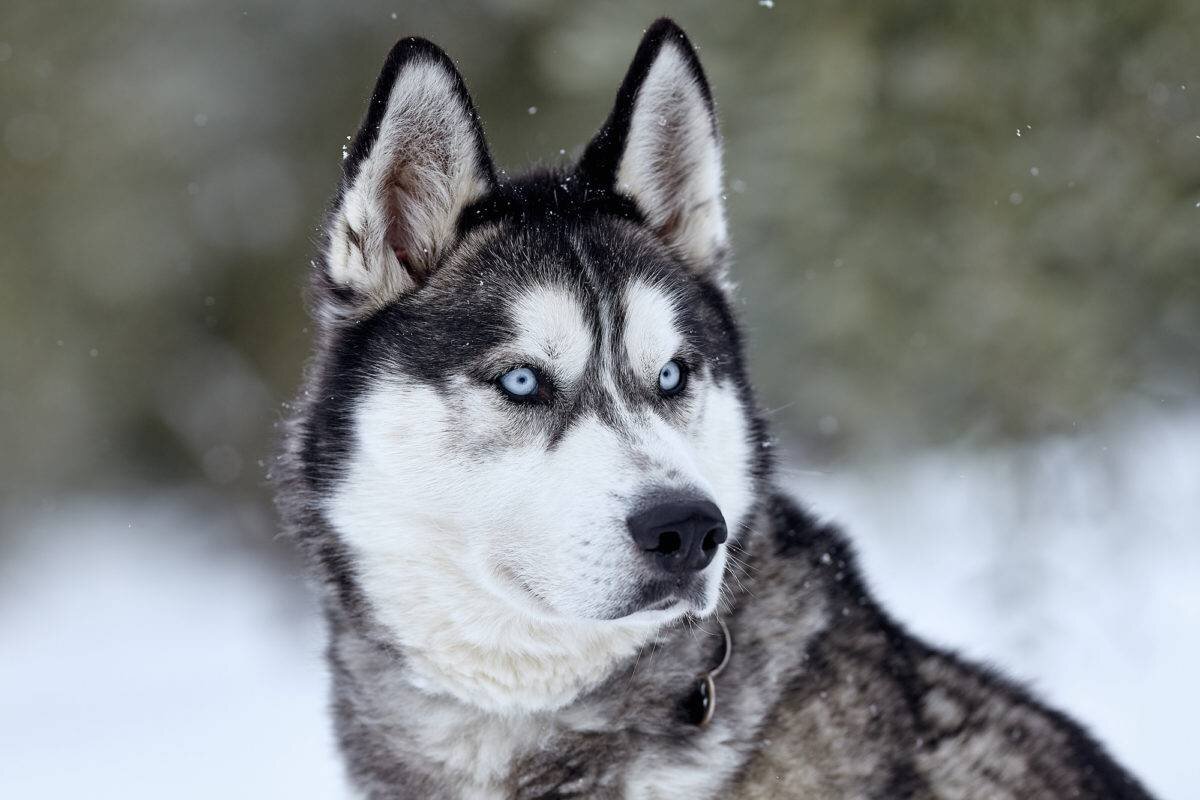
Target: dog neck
<point>464,709</point>
<point>404,714</point>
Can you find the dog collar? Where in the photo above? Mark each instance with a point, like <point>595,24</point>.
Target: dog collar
<point>707,684</point>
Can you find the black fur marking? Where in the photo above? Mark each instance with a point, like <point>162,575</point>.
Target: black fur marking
<point>547,197</point>
<point>463,313</point>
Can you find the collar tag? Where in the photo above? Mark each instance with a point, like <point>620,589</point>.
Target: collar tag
<point>707,684</point>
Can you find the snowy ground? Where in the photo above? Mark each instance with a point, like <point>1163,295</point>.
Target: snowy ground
<point>142,663</point>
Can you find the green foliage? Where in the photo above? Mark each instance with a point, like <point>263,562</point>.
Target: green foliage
<point>954,220</point>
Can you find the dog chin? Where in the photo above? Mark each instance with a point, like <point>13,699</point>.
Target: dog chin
<point>656,616</point>
<point>655,604</point>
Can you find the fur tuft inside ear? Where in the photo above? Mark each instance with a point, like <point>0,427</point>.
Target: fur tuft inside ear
<point>418,160</point>
<point>660,147</point>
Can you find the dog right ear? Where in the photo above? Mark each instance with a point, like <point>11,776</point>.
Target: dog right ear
<point>660,147</point>
<point>418,160</point>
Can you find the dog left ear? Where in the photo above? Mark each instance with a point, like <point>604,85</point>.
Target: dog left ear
<point>418,160</point>
<point>660,147</point>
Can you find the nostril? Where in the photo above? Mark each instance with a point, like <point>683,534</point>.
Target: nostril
<point>680,535</point>
<point>669,542</point>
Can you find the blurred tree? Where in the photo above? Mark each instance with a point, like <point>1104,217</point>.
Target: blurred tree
<point>964,220</point>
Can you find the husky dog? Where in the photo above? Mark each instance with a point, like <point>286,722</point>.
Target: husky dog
<point>530,476</point>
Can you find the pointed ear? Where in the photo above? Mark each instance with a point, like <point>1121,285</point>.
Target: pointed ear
<point>660,147</point>
<point>417,161</point>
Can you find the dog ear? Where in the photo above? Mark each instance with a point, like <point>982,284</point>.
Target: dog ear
<point>660,147</point>
<point>418,160</point>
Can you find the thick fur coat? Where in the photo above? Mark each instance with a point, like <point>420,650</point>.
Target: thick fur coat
<point>508,373</point>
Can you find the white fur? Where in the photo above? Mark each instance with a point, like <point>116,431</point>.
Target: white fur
<point>496,560</point>
<point>553,331</point>
<point>442,542</point>
<point>672,161</point>
<point>652,336</point>
<point>656,778</point>
<point>479,747</point>
<point>720,439</point>
<point>421,172</point>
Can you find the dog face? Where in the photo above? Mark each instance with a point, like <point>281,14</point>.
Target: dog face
<point>529,402</point>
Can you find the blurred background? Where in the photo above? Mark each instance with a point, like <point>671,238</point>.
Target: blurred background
<point>968,237</point>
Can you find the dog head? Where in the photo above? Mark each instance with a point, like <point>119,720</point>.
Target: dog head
<point>529,406</point>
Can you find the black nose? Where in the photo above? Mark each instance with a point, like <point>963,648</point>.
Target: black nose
<point>679,535</point>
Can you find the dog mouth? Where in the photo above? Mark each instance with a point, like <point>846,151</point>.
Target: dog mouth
<point>651,598</point>
<point>665,596</point>
<point>663,605</point>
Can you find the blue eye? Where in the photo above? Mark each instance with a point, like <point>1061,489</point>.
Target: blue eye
<point>520,382</point>
<point>671,378</point>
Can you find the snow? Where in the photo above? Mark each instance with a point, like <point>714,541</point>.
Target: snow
<point>142,663</point>
<point>147,656</point>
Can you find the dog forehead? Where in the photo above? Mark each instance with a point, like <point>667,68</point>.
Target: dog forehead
<point>572,299</point>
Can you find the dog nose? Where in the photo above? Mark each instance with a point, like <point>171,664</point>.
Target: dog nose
<point>679,535</point>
